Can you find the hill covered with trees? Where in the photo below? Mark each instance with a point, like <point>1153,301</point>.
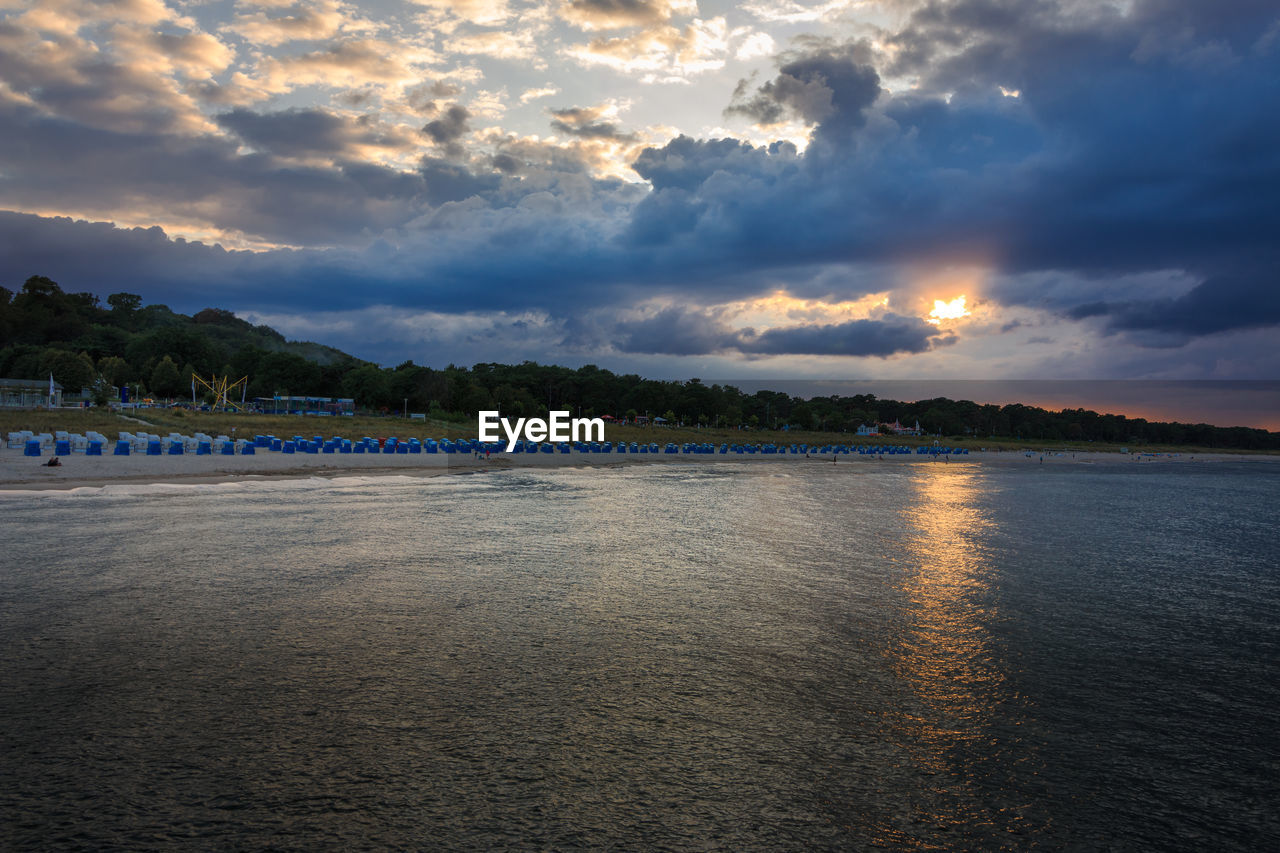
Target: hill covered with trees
<point>84,344</point>
<point>45,330</point>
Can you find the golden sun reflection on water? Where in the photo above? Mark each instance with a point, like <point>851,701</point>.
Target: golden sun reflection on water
<point>944,652</point>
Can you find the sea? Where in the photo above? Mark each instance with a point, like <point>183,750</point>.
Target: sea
<point>715,656</point>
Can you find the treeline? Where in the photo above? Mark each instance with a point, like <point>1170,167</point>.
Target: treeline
<point>86,345</point>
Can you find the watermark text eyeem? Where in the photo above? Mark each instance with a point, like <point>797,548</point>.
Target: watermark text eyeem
<point>559,427</point>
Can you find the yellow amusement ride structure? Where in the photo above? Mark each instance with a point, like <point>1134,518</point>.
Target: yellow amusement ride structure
<point>223,391</point>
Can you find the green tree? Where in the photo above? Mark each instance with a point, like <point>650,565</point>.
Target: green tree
<point>71,371</point>
<point>476,399</point>
<point>166,381</point>
<point>100,391</point>
<point>369,386</point>
<point>126,303</point>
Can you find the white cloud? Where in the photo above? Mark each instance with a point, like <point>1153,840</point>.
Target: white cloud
<point>497,44</point>
<point>533,94</point>
<point>755,45</point>
<point>660,52</point>
<point>344,64</point>
<point>488,104</point>
<point>791,12</point>
<point>483,12</point>
<point>302,21</point>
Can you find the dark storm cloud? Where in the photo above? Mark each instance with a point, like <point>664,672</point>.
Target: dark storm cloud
<point>1118,145</point>
<point>449,128</point>
<point>684,331</point>
<point>587,123</point>
<point>447,181</point>
<point>674,331</point>
<point>829,87</point>
<point>1138,143</point>
<point>304,132</point>
<point>692,178</point>
<point>102,259</point>
<point>423,97</point>
<point>880,337</point>
<point>507,164</point>
<point>54,162</point>
<point>686,163</point>
<point>1219,304</point>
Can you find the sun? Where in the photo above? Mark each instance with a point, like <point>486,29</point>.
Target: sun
<point>952,310</point>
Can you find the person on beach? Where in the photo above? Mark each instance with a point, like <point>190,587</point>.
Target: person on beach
<point>55,462</point>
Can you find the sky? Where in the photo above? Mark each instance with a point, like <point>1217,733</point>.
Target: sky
<point>886,189</point>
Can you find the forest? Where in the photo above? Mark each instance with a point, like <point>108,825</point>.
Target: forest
<point>83,344</point>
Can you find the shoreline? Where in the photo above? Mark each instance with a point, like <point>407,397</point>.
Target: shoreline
<point>27,473</point>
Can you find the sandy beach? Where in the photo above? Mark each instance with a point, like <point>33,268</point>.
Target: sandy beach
<point>20,472</point>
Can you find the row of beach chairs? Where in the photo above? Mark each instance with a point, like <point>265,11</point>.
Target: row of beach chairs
<point>202,444</point>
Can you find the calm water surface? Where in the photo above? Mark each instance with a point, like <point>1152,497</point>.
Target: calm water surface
<point>769,656</point>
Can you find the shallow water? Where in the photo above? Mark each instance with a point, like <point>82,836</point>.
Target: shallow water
<point>911,656</point>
